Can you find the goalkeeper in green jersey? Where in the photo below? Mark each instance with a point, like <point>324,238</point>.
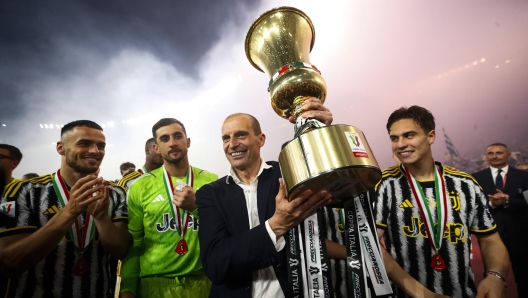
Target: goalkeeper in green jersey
<point>163,220</point>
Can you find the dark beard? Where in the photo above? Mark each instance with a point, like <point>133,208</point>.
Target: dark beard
<point>174,161</point>
<point>78,168</point>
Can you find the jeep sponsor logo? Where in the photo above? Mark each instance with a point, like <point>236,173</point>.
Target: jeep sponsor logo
<point>168,223</point>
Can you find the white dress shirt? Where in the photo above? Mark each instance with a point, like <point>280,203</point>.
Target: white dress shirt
<point>265,282</point>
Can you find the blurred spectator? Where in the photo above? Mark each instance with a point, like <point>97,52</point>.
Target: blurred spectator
<point>504,186</point>
<point>153,160</point>
<point>127,168</point>
<point>29,176</point>
<point>10,157</point>
<point>523,166</point>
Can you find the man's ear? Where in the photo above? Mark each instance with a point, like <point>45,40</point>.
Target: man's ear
<point>262,139</point>
<point>431,137</point>
<point>15,163</point>
<point>156,148</point>
<point>60,148</point>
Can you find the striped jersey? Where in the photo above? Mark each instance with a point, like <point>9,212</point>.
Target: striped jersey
<point>397,212</point>
<point>129,178</point>
<point>155,234</point>
<point>29,205</point>
<point>334,230</point>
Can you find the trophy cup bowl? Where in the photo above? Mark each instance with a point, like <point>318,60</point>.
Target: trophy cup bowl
<point>337,157</point>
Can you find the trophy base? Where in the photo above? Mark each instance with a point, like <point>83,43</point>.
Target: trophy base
<point>335,158</point>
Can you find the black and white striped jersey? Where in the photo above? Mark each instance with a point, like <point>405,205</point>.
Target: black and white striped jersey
<point>397,212</point>
<point>28,206</point>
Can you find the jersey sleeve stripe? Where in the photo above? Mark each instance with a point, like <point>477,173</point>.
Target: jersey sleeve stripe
<point>120,218</point>
<point>486,231</point>
<point>381,225</point>
<point>18,230</point>
<point>127,178</point>
<point>12,188</point>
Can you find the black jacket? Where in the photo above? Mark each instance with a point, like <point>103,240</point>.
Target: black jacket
<point>511,219</point>
<point>230,251</point>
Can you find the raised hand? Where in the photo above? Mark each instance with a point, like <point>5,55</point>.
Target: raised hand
<point>185,198</point>
<point>313,108</point>
<point>82,194</point>
<point>99,208</point>
<point>289,214</point>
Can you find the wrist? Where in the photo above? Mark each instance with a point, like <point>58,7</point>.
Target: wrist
<point>496,276</point>
<point>102,217</point>
<point>69,214</point>
<point>276,228</point>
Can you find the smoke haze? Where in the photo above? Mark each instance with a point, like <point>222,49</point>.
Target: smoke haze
<point>127,64</point>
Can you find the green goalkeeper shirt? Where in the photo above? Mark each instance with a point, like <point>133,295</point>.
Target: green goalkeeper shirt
<point>155,232</point>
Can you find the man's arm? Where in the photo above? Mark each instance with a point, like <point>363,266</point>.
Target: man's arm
<point>130,268</point>
<point>401,278</point>
<point>335,250</point>
<point>496,259</point>
<point>115,237</point>
<point>22,251</point>
<point>227,258</point>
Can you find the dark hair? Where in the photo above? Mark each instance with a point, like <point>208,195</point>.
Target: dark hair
<point>14,152</point>
<point>419,115</point>
<point>30,176</point>
<point>498,144</point>
<point>254,122</point>
<point>79,123</point>
<point>166,122</point>
<point>149,142</point>
<point>126,165</point>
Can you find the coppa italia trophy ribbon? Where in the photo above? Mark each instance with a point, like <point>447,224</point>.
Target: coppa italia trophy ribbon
<point>335,158</point>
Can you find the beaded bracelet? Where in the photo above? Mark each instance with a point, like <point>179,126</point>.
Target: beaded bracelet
<point>497,275</point>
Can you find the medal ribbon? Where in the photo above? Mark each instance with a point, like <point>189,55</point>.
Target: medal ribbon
<point>143,170</point>
<point>182,221</point>
<point>435,236</point>
<point>81,241</point>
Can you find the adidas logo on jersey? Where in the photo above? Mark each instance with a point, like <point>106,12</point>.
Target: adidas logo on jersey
<point>159,198</point>
<point>406,204</point>
<point>52,210</point>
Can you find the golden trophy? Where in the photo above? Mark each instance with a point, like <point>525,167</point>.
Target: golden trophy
<point>337,157</point>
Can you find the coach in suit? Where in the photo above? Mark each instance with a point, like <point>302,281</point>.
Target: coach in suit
<point>244,215</point>
<point>504,187</point>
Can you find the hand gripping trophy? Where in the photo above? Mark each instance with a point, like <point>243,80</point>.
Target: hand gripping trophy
<point>337,157</point>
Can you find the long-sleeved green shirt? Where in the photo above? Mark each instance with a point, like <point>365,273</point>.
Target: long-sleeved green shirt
<point>155,234</point>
